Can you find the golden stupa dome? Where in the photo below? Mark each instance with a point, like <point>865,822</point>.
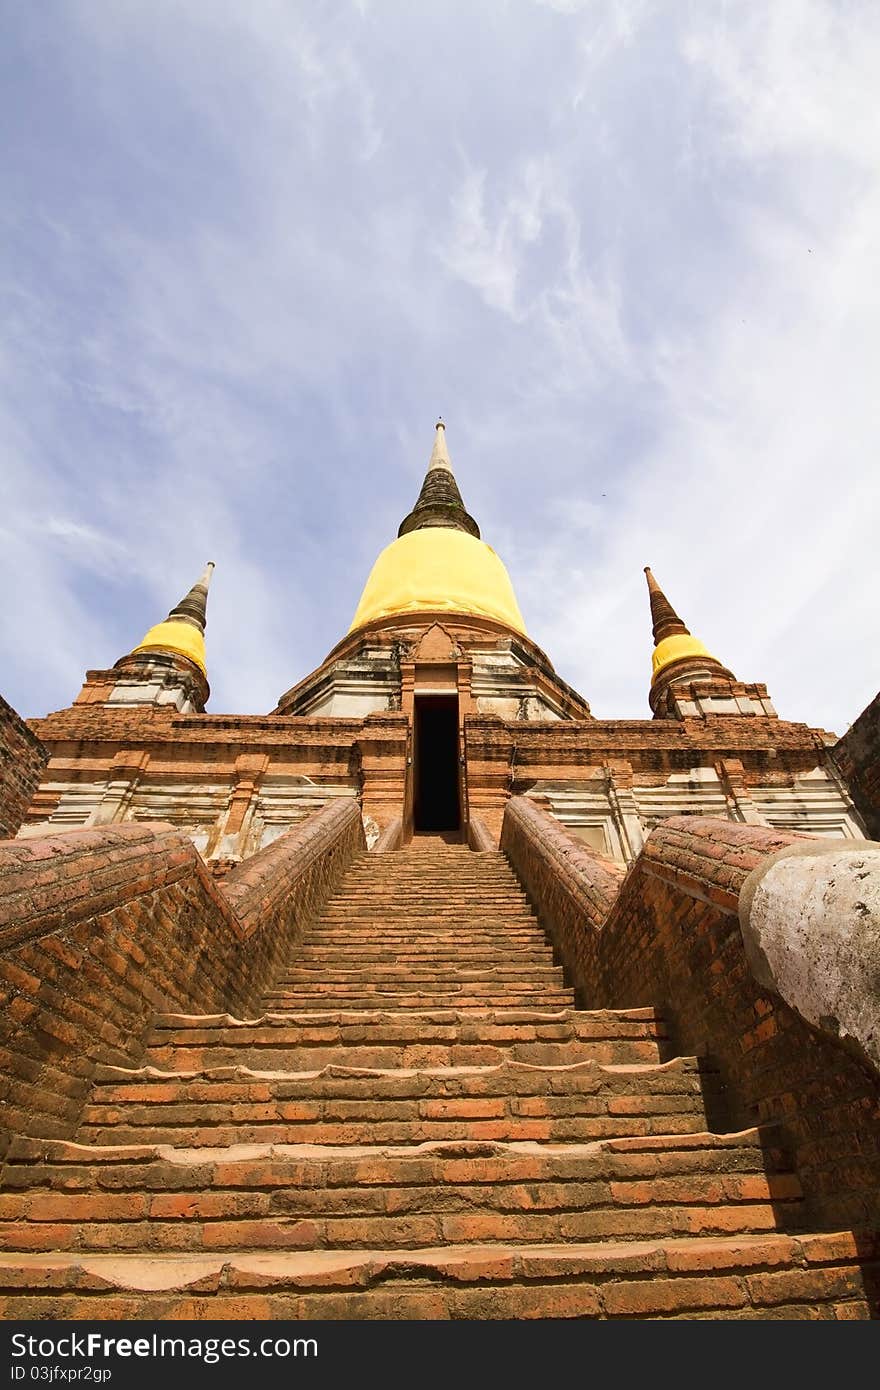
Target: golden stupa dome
<point>436,569</point>
<point>178,638</point>
<point>676,648</point>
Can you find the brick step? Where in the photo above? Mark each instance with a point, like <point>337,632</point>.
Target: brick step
<point>379,960</point>
<point>421,912</point>
<point>420,890</point>
<point>480,923</point>
<point>476,982</point>
<point>498,874</point>
<point>468,871</point>
<point>318,950</point>
<point>463,890</point>
<point>376,1039</point>
<point>420,944</point>
<point>442,931</point>
<point>514,1101</point>
<point>69,1196</point>
<point>339,982</point>
<point>300,999</point>
<point>420,851</point>
<point>414,886</point>
<point>832,1275</point>
<point>427,974</point>
<point>458,883</point>
<point>457,878</point>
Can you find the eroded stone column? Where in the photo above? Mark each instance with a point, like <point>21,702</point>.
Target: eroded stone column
<point>810,919</point>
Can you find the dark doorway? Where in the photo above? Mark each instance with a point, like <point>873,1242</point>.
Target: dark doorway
<point>435,803</point>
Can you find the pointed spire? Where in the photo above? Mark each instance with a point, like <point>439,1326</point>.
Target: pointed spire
<point>440,453</point>
<point>439,502</point>
<point>678,656</point>
<point>666,621</point>
<point>193,608</point>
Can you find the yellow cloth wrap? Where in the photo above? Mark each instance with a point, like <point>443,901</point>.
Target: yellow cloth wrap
<point>179,638</point>
<point>439,569</point>
<point>675,649</point>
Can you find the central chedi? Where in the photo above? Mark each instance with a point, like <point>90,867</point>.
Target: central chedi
<point>440,597</point>
<point>439,564</point>
<point>437,635</point>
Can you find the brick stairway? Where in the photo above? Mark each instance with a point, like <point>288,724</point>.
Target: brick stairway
<point>420,1124</point>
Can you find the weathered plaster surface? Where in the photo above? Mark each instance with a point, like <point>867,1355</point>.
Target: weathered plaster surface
<point>810,920</point>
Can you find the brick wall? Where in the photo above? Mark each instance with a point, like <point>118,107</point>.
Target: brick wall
<point>857,755</point>
<point>100,928</point>
<point>22,759</point>
<point>670,937</point>
<point>573,888</point>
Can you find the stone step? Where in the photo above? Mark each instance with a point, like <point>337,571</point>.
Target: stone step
<point>833,1275</point>
<point>186,1199</point>
<point>339,1105</point>
<point>375,1039</point>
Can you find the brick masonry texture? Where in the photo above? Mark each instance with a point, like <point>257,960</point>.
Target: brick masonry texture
<point>22,759</point>
<point>857,755</point>
<point>413,1121</point>
<point>100,928</point>
<point>368,755</point>
<point>668,935</point>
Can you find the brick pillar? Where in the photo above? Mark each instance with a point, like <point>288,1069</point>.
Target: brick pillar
<point>382,746</point>
<point>489,752</point>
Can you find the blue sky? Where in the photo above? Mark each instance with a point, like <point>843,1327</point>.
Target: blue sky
<point>628,250</point>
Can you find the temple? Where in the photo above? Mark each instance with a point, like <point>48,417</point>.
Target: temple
<point>435,706</point>
<point>427,994</point>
